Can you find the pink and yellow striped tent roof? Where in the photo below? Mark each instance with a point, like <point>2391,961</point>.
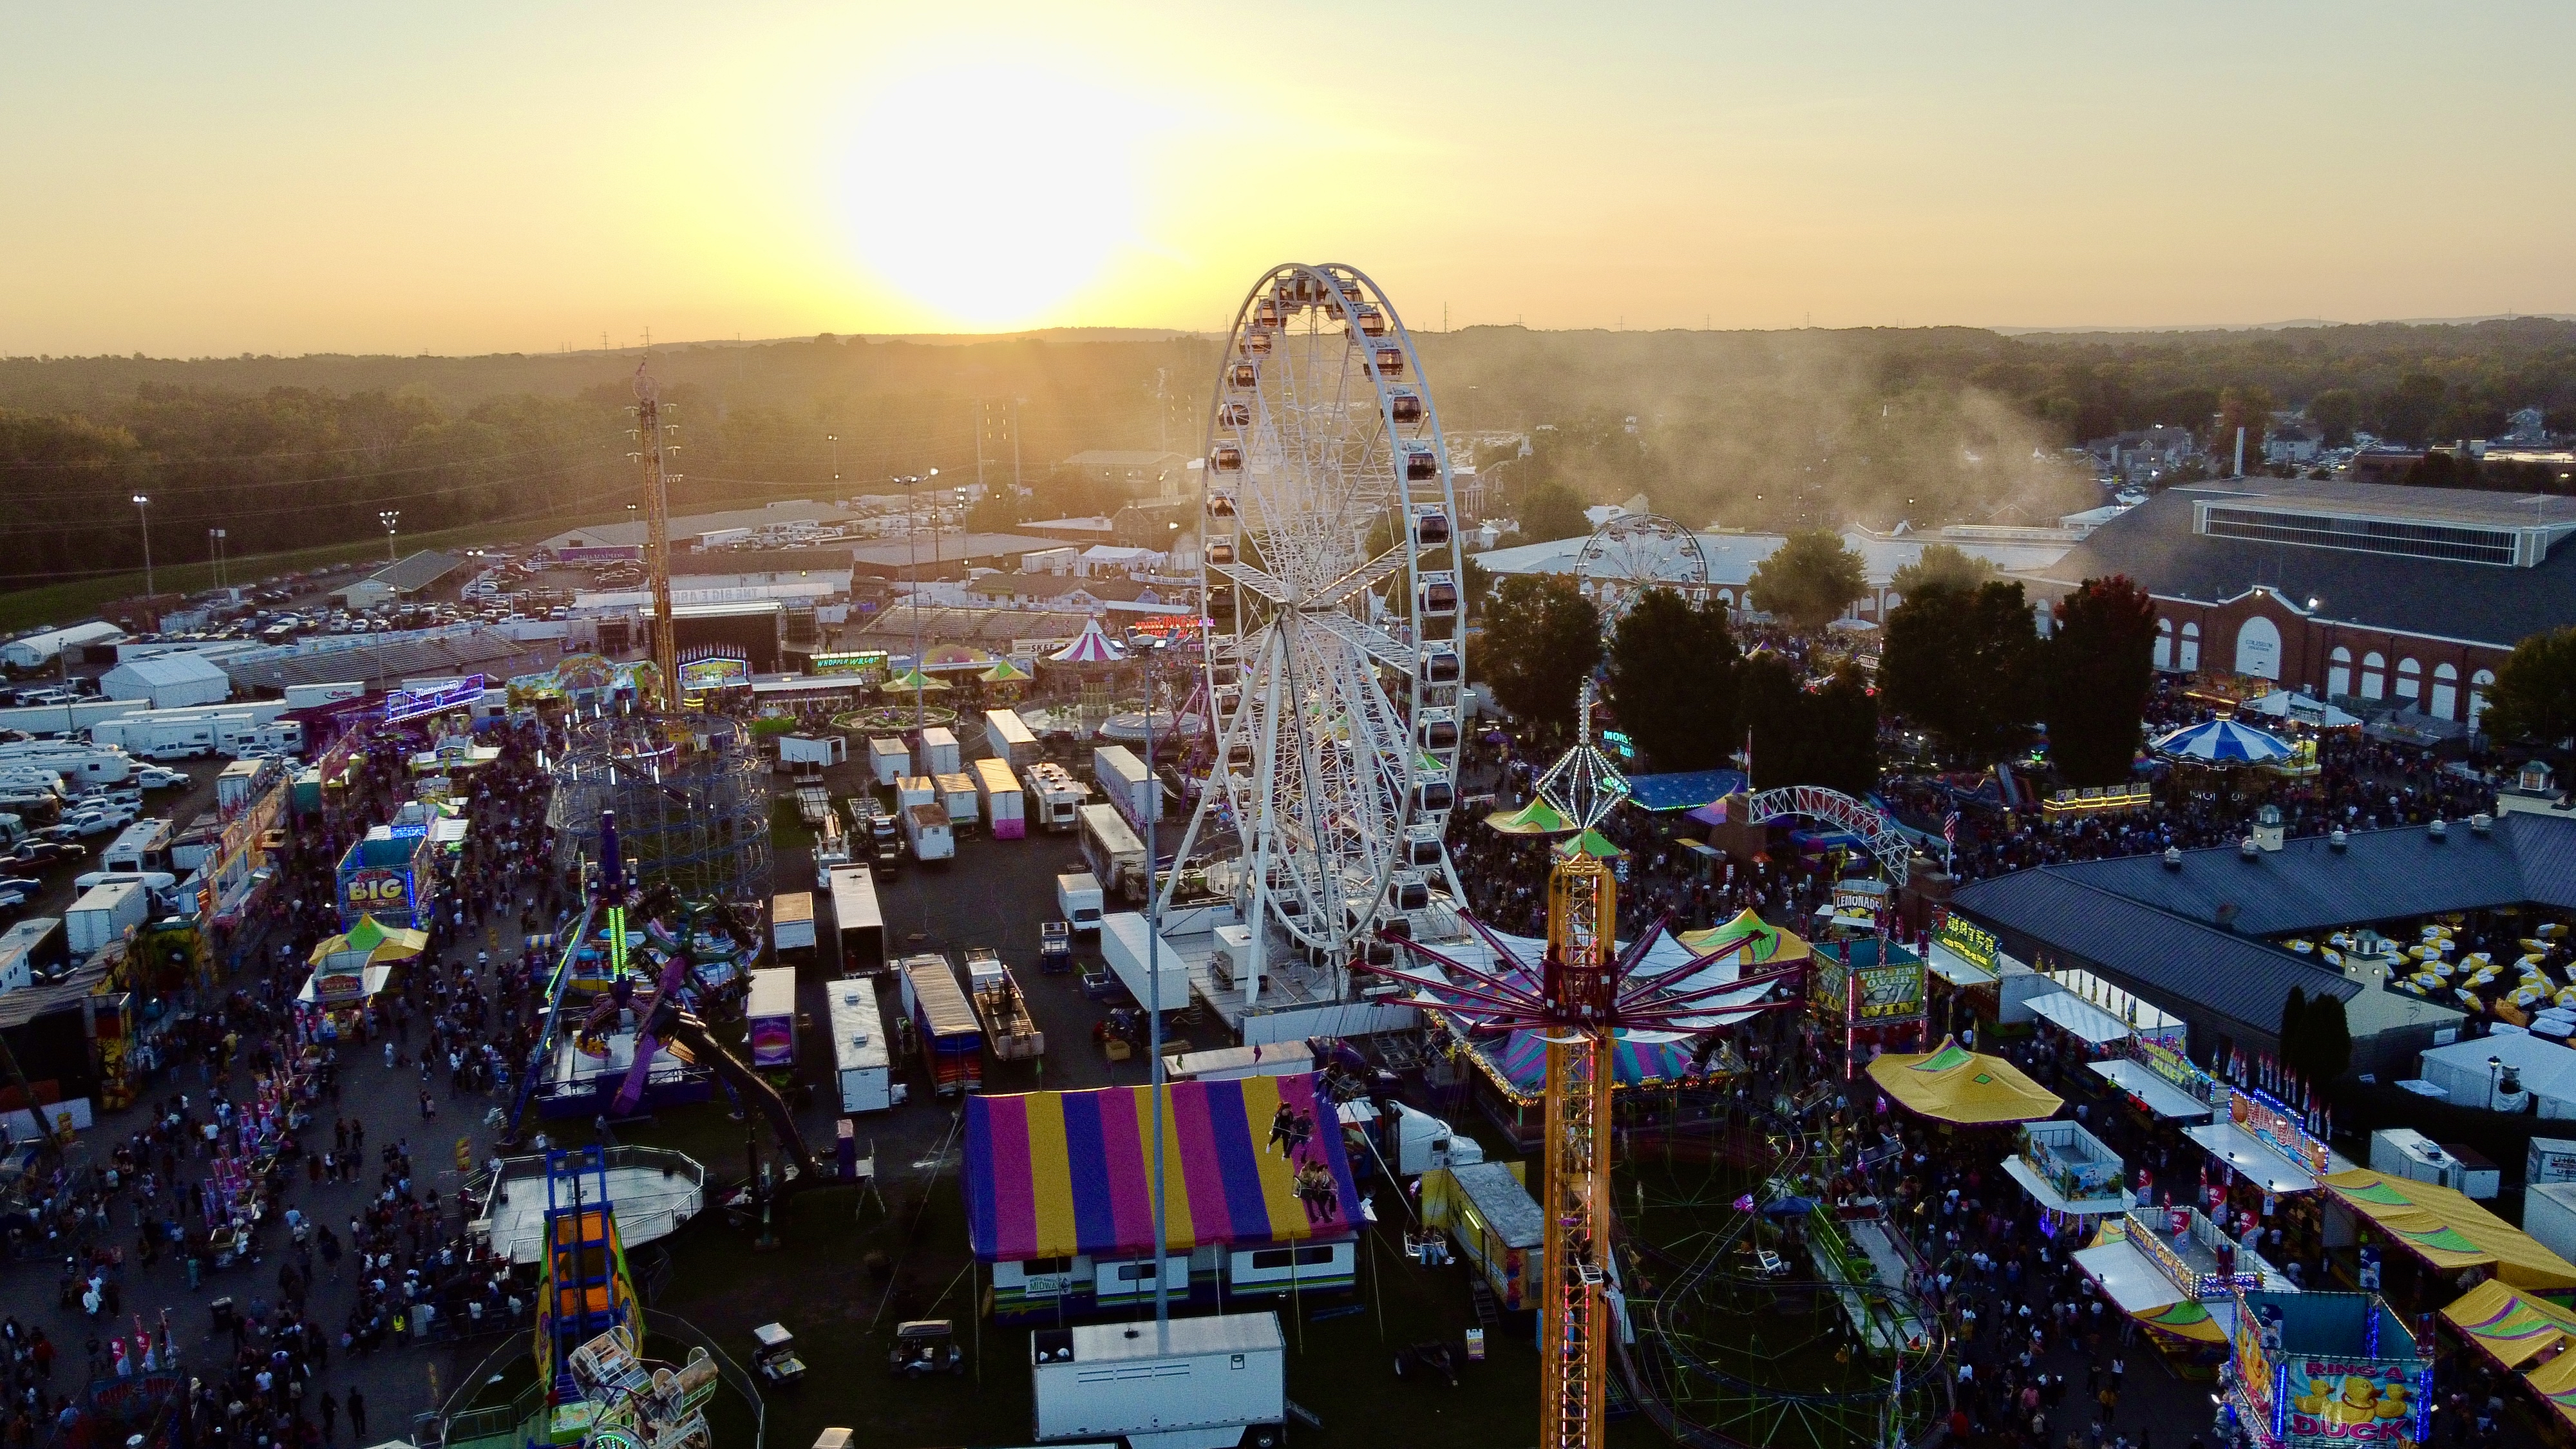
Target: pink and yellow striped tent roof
<point>1057,1173</point>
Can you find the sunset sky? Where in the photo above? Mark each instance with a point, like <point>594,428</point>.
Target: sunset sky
<point>471,177</point>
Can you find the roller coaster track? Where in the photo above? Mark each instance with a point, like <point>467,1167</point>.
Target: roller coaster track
<point>1649,1383</point>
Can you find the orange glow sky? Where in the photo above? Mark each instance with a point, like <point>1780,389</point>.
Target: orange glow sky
<point>470,177</point>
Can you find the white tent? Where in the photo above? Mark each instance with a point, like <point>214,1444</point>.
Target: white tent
<point>2289,704</point>
<point>2543,1069</point>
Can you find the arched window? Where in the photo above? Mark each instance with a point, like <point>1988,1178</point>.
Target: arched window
<point>2258,648</point>
<point>2339,673</point>
<point>2410,679</point>
<point>2164,643</point>
<point>2479,684</point>
<point>2190,649</point>
<point>2446,692</point>
<point>2374,675</point>
<point>1726,597</point>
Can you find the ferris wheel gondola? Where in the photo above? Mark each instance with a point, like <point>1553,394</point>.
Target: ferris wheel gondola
<point>1335,655</point>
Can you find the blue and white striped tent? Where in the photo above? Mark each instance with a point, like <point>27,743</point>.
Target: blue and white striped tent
<point>2222,742</point>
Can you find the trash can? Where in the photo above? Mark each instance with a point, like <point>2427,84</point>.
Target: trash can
<point>223,1311</point>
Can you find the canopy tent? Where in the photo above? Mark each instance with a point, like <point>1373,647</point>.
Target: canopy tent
<point>1536,818</point>
<point>1592,843</point>
<point>2448,1231</point>
<point>2157,1095</point>
<point>1004,672</point>
<point>1517,1063</point>
<point>955,656</point>
<point>2222,742</point>
<point>1092,647</point>
<point>2291,705</point>
<point>2524,1335</point>
<point>1055,1173</point>
<point>1685,790</point>
<point>337,989</point>
<point>913,681</point>
<point>1747,939</point>
<point>1953,1084</point>
<point>369,942</point>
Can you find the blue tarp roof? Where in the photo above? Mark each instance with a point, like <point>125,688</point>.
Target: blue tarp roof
<point>1687,790</point>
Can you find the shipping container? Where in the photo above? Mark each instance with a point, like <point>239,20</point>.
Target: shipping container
<point>308,696</point>
<point>1124,941</point>
<point>105,913</point>
<point>927,831</point>
<point>999,792</point>
<point>952,1041</point>
<point>938,754</point>
<point>1115,855</point>
<point>770,1012</point>
<point>888,760</point>
<point>791,928</point>
<point>1128,783</point>
<point>957,797</point>
<point>861,1062</point>
<point>857,920</point>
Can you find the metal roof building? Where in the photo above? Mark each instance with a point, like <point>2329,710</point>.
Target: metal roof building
<point>2195,937</point>
<point>384,660</point>
<point>400,579</point>
<point>34,651</point>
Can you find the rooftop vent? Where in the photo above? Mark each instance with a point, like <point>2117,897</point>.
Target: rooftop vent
<point>2173,857</point>
<point>2439,830</point>
<point>2336,840</point>
<point>2247,849</point>
<point>2481,823</point>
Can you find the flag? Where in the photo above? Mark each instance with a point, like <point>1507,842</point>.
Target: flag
<point>1950,829</point>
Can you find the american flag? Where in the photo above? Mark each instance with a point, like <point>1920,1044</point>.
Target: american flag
<point>1950,828</point>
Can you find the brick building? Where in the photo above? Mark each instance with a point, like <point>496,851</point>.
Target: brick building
<point>2391,597</point>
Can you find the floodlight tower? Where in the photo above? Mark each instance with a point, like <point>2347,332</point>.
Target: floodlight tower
<point>657,531</point>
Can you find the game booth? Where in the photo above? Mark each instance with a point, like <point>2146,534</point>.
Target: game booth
<point>1259,1199</point>
<point>1867,988</point>
<point>2173,1272</point>
<point>390,875</point>
<point>349,971</point>
<point>2313,1369</point>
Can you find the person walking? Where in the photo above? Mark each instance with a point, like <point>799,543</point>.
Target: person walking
<point>357,1416</point>
<point>330,1416</point>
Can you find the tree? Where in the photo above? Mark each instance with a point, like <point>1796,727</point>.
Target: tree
<point>1672,680</point>
<point>2098,667</point>
<point>2534,695</point>
<point>2336,412</point>
<point>2294,1021</point>
<point>1826,736</point>
<point>2325,1040</point>
<point>1809,580</point>
<point>1551,511</point>
<point>1942,566</point>
<point>1541,639</point>
<point>1963,665</point>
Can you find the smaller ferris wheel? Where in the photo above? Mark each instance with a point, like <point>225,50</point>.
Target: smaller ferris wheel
<point>1635,552</point>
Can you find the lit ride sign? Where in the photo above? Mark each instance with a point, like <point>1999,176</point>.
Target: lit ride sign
<point>404,704</point>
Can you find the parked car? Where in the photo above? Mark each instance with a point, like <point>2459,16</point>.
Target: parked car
<point>152,777</point>
<point>29,854</point>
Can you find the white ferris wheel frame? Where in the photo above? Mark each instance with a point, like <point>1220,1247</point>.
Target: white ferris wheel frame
<point>1615,596</point>
<point>1315,663</point>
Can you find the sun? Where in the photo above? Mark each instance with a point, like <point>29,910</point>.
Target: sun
<point>993,195</point>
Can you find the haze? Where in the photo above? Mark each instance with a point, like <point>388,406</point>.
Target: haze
<point>190,180</point>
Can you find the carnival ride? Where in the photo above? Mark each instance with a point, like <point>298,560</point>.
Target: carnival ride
<point>1634,552</point>
<point>1331,577</point>
<point>1584,997</point>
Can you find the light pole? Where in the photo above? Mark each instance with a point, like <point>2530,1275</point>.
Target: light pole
<point>143,511</point>
<point>1154,1013</point>
<point>912,554</point>
<point>215,547</point>
<point>835,440</point>
<point>391,518</point>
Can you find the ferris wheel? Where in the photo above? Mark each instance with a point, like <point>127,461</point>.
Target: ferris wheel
<point>1635,552</point>
<point>1336,650</point>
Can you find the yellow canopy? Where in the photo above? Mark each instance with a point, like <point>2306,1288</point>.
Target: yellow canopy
<point>1749,939</point>
<point>373,942</point>
<point>2449,1231</point>
<point>1953,1084</point>
<point>2517,1331</point>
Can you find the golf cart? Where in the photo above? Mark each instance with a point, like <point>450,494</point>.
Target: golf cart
<point>774,1355</point>
<point>925,1346</point>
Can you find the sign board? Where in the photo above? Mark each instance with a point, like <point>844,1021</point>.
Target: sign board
<point>1876,993</point>
<point>2174,1067</point>
<point>721,671</point>
<point>848,661</point>
<point>2295,1392</point>
<point>1966,941</point>
<point>407,704</point>
<point>2272,1123</point>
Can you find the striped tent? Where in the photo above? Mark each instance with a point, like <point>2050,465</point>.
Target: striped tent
<point>1517,1063</point>
<point>2222,742</point>
<point>2524,1334</point>
<point>1093,647</point>
<point>1056,1173</point>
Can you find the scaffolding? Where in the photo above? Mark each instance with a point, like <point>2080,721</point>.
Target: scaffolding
<point>690,793</point>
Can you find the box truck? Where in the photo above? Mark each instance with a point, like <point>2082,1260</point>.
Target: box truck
<point>957,797</point>
<point>105,913</point>
<point>888,760</point>
<point>1077,900</point>
<point>307,696</point>
<point>1128,783</point>
<point>791,928</point>
<point>1010,739</point>
<point>1210,1383</point>
<point>927,831</point>
<point>857,919</point>
<point>998,790</point>
<point>860,1062</point>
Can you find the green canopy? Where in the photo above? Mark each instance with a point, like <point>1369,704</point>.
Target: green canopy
<point>1003,672</point>
<point>1536,818</point>
<point>1592,843</point>
<point>913,681</point>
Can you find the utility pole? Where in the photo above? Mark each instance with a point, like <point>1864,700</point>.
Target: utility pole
<point>657,530</point>
<point>983,421</point>
<point>1015,450</point>
<point>143,511</point>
